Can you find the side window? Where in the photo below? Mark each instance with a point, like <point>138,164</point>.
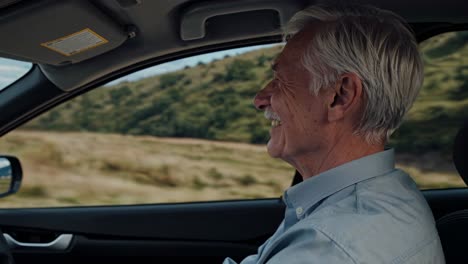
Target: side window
<point>187,131</point>
<point>178,132</point>
<point>424,141</point>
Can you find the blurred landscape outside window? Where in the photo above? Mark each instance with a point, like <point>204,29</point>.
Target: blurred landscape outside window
<point>424,141</point>
<point>187,131</point>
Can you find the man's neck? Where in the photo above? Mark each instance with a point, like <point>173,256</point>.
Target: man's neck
<point>343,151</point>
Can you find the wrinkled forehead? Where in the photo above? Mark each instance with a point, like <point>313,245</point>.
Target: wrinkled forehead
<point>296,45</point>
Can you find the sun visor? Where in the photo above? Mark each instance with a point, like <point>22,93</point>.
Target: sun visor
<point>57,32</point>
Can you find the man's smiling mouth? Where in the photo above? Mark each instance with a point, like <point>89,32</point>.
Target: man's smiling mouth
<point>275,123</point>
<point>275,119</point>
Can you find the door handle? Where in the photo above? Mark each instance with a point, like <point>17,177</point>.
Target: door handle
<point>62,242</point>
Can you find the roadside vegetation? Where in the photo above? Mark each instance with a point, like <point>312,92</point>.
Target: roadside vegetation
<point>82,168</point>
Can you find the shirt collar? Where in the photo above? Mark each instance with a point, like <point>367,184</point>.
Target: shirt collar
<point>309,192</point>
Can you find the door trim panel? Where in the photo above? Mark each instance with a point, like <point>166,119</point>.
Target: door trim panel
<point>229,221</point>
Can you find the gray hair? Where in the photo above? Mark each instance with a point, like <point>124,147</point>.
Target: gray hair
<point>376,45</point>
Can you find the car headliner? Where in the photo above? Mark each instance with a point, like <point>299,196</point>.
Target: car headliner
<point>158,35</point>
<point>158,27</point>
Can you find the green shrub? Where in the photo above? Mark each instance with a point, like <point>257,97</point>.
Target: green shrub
<point>240,70</point>
<point>198,184</point>
<point>170,79</point>
<point>33,192</point>
<point>215,174</point>
<point>247,180</point>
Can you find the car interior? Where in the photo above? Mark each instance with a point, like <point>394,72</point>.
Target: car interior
<point>78,45</point>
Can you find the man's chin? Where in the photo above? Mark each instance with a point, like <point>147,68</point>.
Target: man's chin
<point>273,150</point>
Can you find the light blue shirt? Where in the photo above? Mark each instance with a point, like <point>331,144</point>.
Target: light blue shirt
<point>364,211</point>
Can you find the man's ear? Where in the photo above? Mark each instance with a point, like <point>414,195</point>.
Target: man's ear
<point>346,97</point>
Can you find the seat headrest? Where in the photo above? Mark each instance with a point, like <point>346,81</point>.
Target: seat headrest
<point>460,152</point>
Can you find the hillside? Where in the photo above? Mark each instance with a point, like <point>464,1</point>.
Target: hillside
<point>214,101</point>
<point>442,105</point>
<point>81,168</point>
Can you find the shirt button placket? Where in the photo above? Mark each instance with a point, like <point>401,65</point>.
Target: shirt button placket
<point>299,212</point>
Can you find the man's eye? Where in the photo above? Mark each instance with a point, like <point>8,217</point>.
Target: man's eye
<point>276,83</point>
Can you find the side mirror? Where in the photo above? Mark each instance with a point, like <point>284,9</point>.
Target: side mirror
<point>11,175</point>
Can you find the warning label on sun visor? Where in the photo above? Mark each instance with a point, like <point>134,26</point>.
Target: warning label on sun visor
<point>75,43</point>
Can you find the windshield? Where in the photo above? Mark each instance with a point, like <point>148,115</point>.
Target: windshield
<point>11,71</point>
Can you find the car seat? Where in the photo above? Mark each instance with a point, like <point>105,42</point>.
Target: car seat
<point>453,227</point>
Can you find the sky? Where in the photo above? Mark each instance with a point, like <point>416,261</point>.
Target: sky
<point>4,162</point>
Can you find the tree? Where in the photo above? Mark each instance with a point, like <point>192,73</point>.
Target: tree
<point>240,70</point>
<point>119,94</point>
<point>170,79</point>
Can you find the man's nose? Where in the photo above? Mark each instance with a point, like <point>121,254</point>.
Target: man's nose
<point>262,99</point>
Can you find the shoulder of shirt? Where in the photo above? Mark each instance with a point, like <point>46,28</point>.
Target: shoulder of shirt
<point>344,222</point>
<point>307,235</point>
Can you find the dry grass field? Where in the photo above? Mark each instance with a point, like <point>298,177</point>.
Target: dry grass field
<point>71,169</point>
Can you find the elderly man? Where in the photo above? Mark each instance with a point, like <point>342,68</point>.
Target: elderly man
<point>342,85</point>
